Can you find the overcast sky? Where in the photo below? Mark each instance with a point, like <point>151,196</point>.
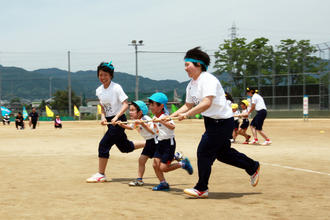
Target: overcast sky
<point>38,33</point>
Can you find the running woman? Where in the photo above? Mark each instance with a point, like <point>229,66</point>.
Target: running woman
<point>113,101</point>
<point>205,95</point>
<point>258,104</point>
<point>165,150</point>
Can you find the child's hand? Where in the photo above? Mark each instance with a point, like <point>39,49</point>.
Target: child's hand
<point>138,122</point>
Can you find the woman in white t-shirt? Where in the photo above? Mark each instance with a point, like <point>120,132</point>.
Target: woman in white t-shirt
<point>205,95</point>
<point>113,101</point>
<point>258,104</point>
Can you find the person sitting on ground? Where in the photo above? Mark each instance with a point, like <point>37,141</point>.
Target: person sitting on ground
<point>6,119</point>
<point>58,122</point>
<point>19,121</point>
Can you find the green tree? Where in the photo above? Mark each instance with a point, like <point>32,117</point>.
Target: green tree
<point>60,100</point>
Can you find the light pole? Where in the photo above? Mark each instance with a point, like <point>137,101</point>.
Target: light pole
<point>69,83</point>
<point>136,44</point>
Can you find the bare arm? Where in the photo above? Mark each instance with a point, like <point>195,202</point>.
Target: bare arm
<point>146,126</point>
<point>186,107</point>
<point>201,107</point>
<point>253,106</point>
<point>167,124</point>
<point>123,109</point>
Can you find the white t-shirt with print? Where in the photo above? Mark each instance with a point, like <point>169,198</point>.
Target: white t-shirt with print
<point>163,131</point>
<point>244,112</point>
<point>143,132</point>
<point>111,98</point>
<point>259,101</point>
<point>236,113</point>
<point>208,85</point>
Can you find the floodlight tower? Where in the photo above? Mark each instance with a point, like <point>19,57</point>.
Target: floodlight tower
<point>136,44</point>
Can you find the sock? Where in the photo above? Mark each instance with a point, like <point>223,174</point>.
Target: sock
<point>182,164</point>
<point>139,179</point>
<point>267,139</point>
<point>163,182</point>
<point>102,174</point>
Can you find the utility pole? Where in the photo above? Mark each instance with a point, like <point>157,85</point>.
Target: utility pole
<point>69,84</point>
<point>135,44</point>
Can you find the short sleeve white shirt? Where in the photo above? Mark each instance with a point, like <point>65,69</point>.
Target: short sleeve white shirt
<point>208,85</point>
<point>164,132</point>
<point>236,113</point>
<point>259,101</point>
<point>143,132</point>
<point>111,98</point>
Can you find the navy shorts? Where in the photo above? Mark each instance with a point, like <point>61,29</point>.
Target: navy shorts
<point>245,123</point>
<point>236,125</point>
<point>165,151</point>
<point>150,148</point>
<point>115,135</point>
<point>259,119</point>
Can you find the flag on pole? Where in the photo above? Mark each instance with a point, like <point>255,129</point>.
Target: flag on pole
<point>173,108</point>
<point>25,114</point>
<point>76,111</point>
<point>5,111</point>
<point>99,109</point>
<point>49,112</point>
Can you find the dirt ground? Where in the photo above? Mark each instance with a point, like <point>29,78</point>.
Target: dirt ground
<point>43,174</point>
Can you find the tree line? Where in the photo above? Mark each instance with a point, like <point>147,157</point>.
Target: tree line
<point>258,63</point>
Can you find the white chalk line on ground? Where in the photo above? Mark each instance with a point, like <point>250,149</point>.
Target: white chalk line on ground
<point>294,168</point>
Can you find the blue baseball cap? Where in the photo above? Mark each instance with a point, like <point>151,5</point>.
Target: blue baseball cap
<point>160,98</point>
<point>143,107</point>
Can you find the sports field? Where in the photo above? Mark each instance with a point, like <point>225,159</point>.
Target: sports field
<point>43,174</point>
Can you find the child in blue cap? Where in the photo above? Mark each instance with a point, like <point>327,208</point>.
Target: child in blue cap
<point>166,143</point>
<point>138,111</point>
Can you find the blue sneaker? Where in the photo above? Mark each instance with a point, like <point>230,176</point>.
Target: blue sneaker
<point>161,187</point>
<point>187,166</point>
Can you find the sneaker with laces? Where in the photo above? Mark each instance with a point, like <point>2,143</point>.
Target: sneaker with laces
<point>266,143</point>
<point>254,142</point>
<point>136,183</point>
<point>161,187</point>
<point>255,177</point>
<point>178,156</point>
<point>97,178</point>
<point>197,194</point>
<point>187,166</point>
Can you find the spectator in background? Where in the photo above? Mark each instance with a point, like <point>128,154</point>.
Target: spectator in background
<point>58,122</point>
<point>19,121</point>
<point>6,119</point>
<point>33,118</point>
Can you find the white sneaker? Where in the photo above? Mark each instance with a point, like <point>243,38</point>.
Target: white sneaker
<point>136,183</point>
<point>255,177</point>
<point>254,142</point>
<point>97,178</point>
<point>267,143</point>
<point>196,193</point>
<point>178,156</point>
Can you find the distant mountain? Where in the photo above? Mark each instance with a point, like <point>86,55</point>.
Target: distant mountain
<point>18,82</point>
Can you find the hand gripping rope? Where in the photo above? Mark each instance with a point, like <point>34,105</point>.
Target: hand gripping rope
<point>146,121</point>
